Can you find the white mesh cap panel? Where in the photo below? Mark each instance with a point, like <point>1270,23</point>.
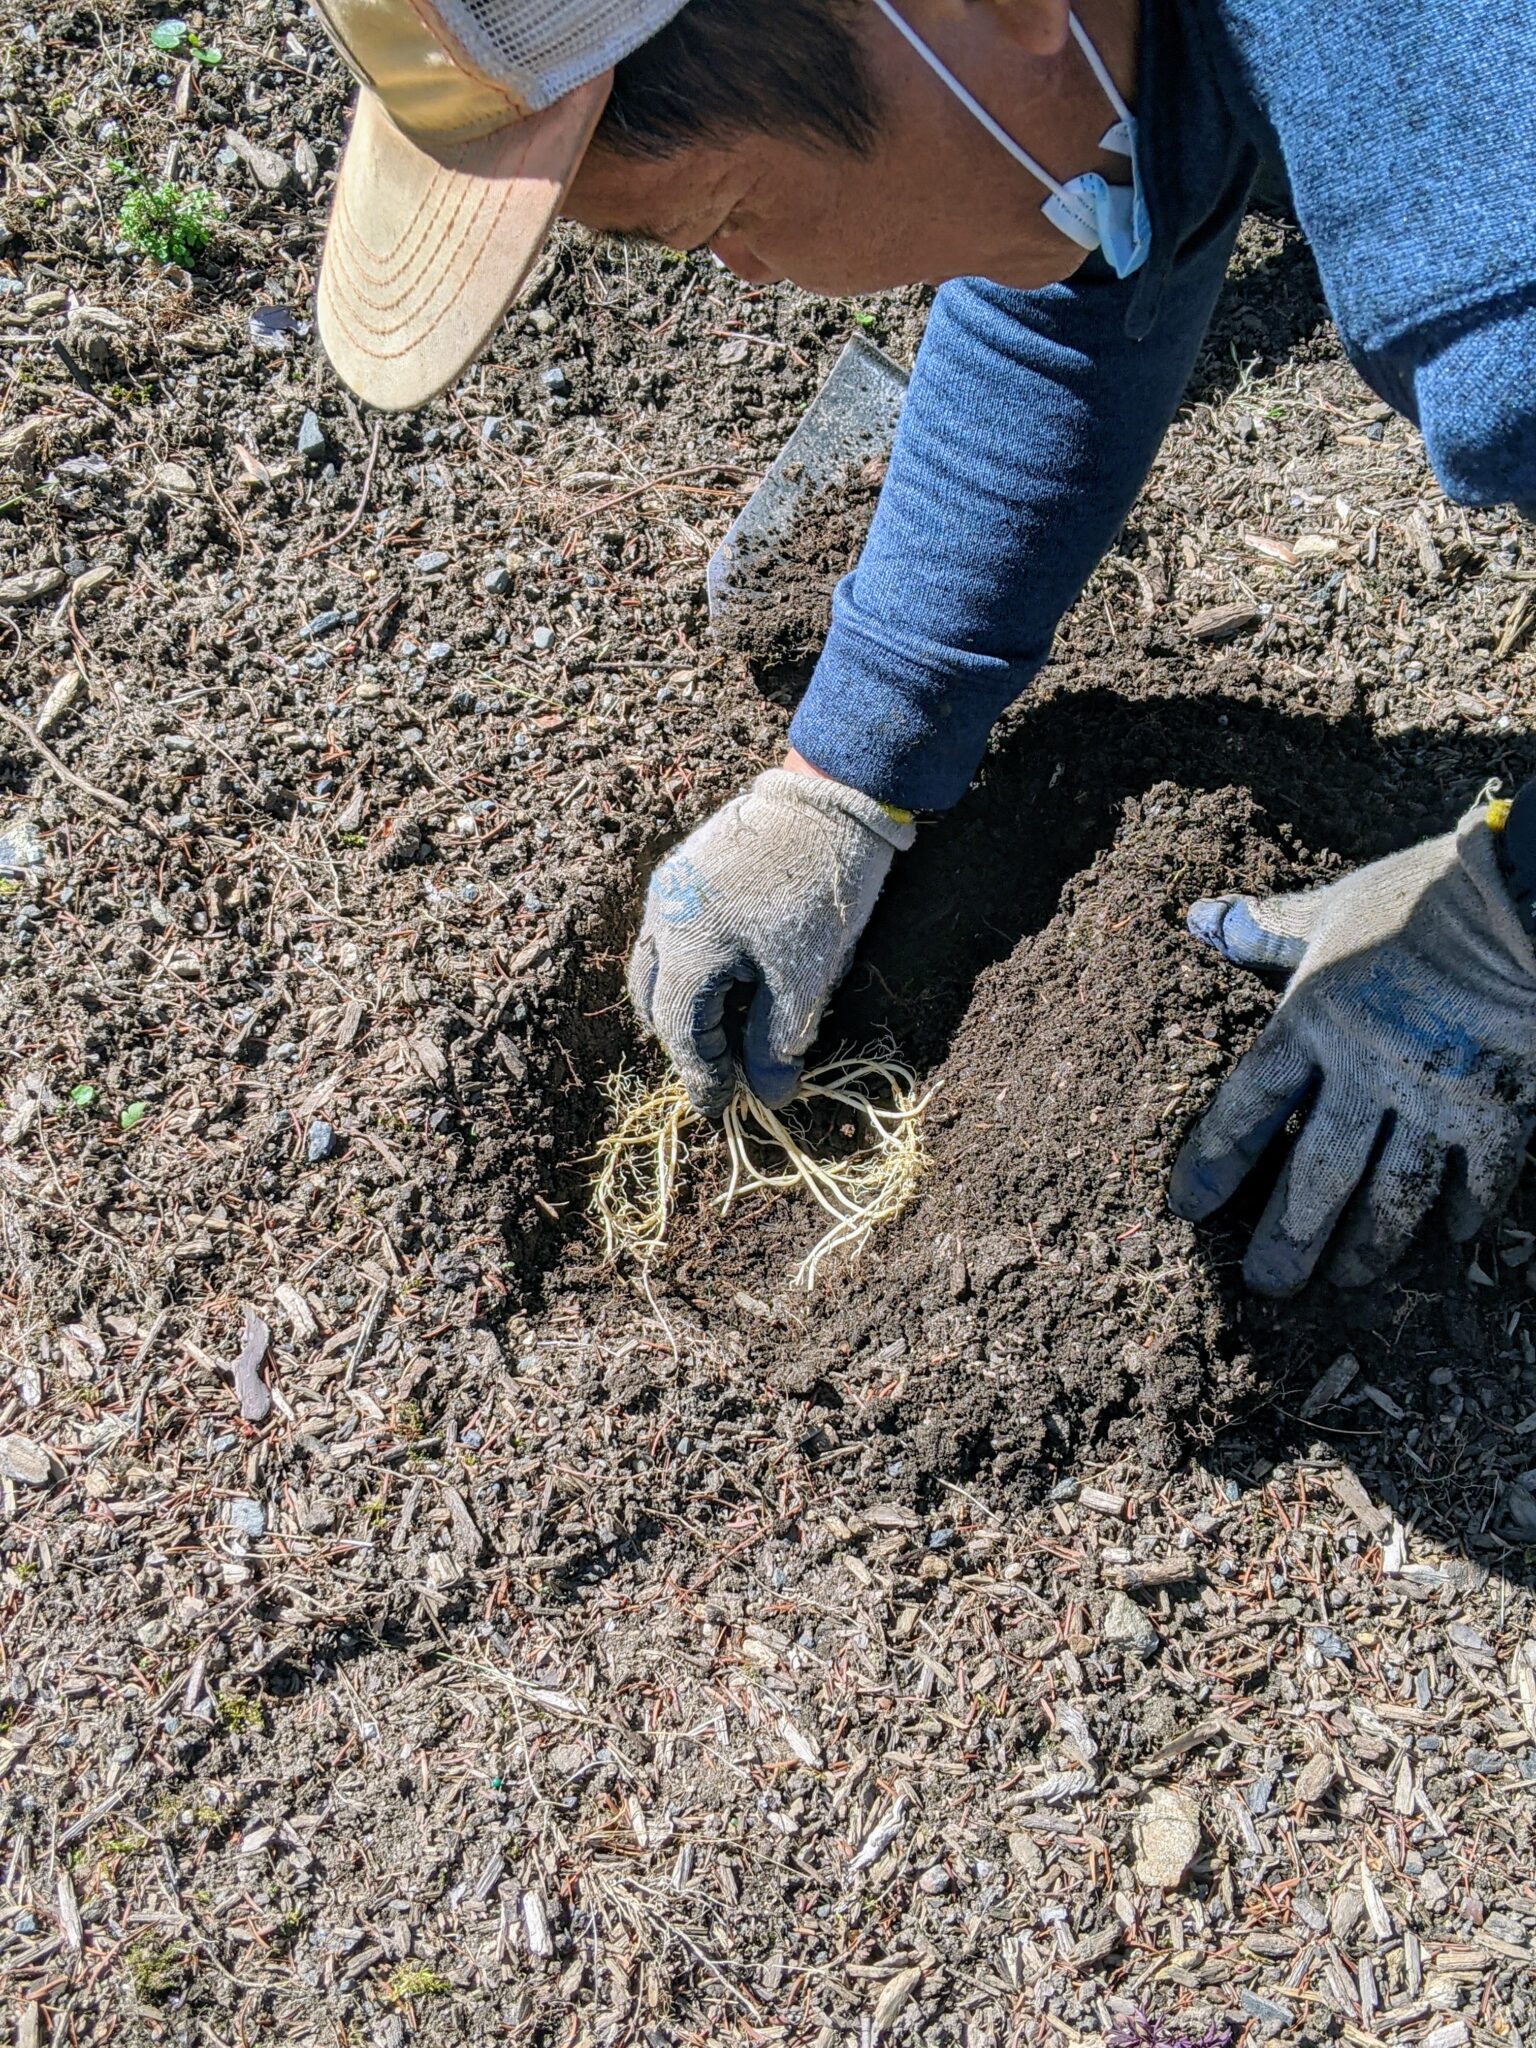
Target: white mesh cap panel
<point>543,49</point>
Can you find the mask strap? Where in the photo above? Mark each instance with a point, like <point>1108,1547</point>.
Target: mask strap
<point>973,106</point>
<point>1099,69</point>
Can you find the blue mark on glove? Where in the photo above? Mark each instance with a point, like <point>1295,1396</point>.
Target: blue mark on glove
<point>677,891</point>
<point>1404,1013</point>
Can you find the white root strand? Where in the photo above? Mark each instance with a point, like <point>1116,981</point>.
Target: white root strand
<point>642,1158</point>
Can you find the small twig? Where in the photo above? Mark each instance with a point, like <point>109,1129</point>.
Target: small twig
<point>668,477</point>
<point>82,382</point>
<point>114,804</point>
<point>353,523</point>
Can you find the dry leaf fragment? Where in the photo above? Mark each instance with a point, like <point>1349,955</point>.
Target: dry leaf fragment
<point>300,1316</point>
<point>1521,617</point>
<point>1167,1833</point>
<point>1525,1685</point>
<point>1223,622</point>
<point>536,1926</point>
<point>879,1839</point>
<point>892,2001</point>
<point>1313,1779</point>
<point>254,473</point>
<point>1271,548</point>
<point>1416,527</point>
<point>57,702</point>
<point>250,1388</point>
<point>1333,1383</point>
<point>69,1912</point>
<point>31,586</point>
<point>25,1460</point>
<point>804,1748</point>
<point>1405,1796</point>
<point>90,581</point>
<point>1375,1906</point>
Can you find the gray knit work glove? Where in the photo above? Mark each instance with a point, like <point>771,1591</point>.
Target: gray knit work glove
<point>774,889</point>
<point>1410,1020</point>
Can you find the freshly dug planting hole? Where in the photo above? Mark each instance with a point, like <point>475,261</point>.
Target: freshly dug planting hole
<point>1037,1300</point>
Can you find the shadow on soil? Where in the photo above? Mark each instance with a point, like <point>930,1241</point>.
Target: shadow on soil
<point>1050,800</point>
<point>1431,1442</point>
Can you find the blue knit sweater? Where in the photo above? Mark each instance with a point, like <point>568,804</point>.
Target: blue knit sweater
<point>1408,131</point>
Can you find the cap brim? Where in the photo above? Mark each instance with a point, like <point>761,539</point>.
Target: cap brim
<point>426,251</point>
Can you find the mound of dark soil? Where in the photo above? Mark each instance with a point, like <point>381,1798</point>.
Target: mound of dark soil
<point>1039,1294</point>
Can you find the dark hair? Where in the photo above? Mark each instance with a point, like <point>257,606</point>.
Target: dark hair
<point>725,68</point>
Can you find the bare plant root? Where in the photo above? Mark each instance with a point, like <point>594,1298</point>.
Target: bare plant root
<point>641,1160</point>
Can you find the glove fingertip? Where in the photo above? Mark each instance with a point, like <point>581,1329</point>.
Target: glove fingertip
<point>1231,926</point>
<point>1276,1271</point>
<point>1197,1187</point>
<point>775,1085</point>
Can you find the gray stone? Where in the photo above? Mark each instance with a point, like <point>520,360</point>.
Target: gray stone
<point>541,320</point>
<point>319,1142</point>
<point>432,562</point>
<point>246,1517</point>
<point>543,638</point>
<point>490,428</point>
<point>555,381</point>
<point>322,622</point>
<point>312,444</point>
<point>497,581</point>
<point>439,651</point>
<point>1126,1627</point>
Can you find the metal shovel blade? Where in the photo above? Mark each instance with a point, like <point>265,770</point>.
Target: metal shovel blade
<point>851,420</point>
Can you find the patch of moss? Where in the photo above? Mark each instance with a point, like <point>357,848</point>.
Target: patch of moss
<point>416,1980</point>
<point>156,1969</point>
<point>238,1715</point>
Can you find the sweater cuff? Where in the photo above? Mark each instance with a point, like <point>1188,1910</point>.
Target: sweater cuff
<point>906,723</point>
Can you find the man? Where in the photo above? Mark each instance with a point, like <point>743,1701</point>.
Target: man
<point>1080,178</point>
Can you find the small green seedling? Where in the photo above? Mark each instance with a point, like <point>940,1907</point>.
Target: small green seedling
<point>175,39</point>
<point>132,1116</point>
<point>170,223</point>
<point>861,318</point>
<point>82,1095</point>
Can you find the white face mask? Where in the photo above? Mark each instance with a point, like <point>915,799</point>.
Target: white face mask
<point>1092,213</point>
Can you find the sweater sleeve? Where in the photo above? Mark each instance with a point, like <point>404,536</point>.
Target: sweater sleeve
<point>1474,390</point>
<point>1030,425</point>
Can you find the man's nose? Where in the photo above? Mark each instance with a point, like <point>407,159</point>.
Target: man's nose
<point>737,255</point>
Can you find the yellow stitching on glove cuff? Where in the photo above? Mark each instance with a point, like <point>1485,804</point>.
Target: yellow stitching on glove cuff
<point>900,817</point>
<point>1496,816</point>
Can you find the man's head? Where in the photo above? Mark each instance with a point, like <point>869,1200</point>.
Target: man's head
<point>796,138</point>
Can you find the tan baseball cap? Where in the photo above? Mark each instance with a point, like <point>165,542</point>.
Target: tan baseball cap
<point>473,118</point>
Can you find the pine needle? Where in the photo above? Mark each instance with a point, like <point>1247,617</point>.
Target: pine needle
<point>641,1161</point>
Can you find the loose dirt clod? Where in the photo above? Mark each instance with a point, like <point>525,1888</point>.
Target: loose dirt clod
<point>642,1155</point>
